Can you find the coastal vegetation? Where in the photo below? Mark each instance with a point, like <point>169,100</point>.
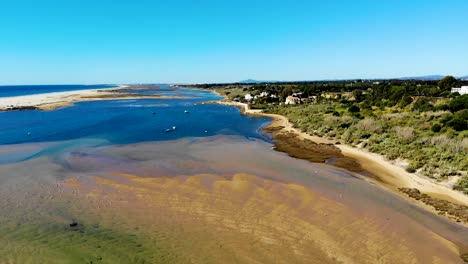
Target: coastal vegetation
<point>420,124</point>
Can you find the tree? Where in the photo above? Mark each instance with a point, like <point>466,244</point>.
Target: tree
<point>286,92</point>
<point>422,105</point>
<point>447,83</point>
<point>354,109</point>
<point>436,128</point>
<point>405,100</point>
<point>459,103</point>
<point>458,124</point>
<point>358,95</point>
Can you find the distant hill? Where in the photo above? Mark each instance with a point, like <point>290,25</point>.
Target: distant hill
<point>431,77</point>
<point>256,81</point>
<point>423,78</point>
<point>434,77</point>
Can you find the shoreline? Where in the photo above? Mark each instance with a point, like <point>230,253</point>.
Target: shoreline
<point>55,100</point>
<point>391,174</point>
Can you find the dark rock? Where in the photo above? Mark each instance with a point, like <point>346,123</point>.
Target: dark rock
<point>457,211</point>
<point>465,257</point>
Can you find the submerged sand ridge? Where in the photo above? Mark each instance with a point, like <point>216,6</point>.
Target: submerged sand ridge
<point>248,219</point>
<point>212,200</point>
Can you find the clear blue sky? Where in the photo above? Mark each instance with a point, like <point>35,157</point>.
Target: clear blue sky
<point>104,41</point>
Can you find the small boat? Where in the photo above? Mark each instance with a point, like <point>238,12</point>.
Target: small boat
<point>171,129</point>
<point>186,112</point>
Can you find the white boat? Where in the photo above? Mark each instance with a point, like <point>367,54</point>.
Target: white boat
<point>186,111</point>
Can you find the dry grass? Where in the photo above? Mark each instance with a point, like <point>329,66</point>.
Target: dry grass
<point>464,143</point>
<point>434,114</point>
<point>331,120</point>
<point>369,125</point>
<point>441,140</point>
<point>346,119</point>
<point>452,145</point>
<point>405,133</point>
<point>388,117</point>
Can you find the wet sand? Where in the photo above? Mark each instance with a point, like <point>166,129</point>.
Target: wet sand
<point>211,200</point>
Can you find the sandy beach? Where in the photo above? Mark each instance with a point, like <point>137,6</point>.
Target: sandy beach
<point>392,173</point>
<point>52,101</point>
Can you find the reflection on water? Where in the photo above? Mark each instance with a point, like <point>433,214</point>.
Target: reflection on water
<point>221,199</point>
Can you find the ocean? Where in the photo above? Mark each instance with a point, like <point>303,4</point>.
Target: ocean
<point>19,90</point>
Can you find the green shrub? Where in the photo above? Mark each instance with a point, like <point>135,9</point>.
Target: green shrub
<point>446,118</point>
<point>422,105</point>
<point>462,184</point>
<point>436,128</point>
<point>416,164</point>
<point>462,114</point>
<point>354,109</point>
<point>442,107</point>
<point>459,103</point>
<point>458,124</point>
<point>405,101</point>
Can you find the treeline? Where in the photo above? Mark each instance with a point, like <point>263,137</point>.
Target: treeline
<point>423,87</point>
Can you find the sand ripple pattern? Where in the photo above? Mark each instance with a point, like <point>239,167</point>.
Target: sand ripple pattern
<point>247,219</point>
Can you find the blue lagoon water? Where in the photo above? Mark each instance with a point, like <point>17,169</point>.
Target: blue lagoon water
<point>128,121</point>
<point>19,90</point>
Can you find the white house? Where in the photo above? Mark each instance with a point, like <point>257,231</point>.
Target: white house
<point>248,97</point>
<point>292,100</point>
<point>263,94</point>
<point>463,90</point>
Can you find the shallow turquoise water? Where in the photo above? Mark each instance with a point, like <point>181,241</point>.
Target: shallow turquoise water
<point>125,121</point>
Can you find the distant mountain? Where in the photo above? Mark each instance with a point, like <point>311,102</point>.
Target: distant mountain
<point>434,77</point>
<point>423,78</point>
<point>431,77</point>
<point>256,81</point>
